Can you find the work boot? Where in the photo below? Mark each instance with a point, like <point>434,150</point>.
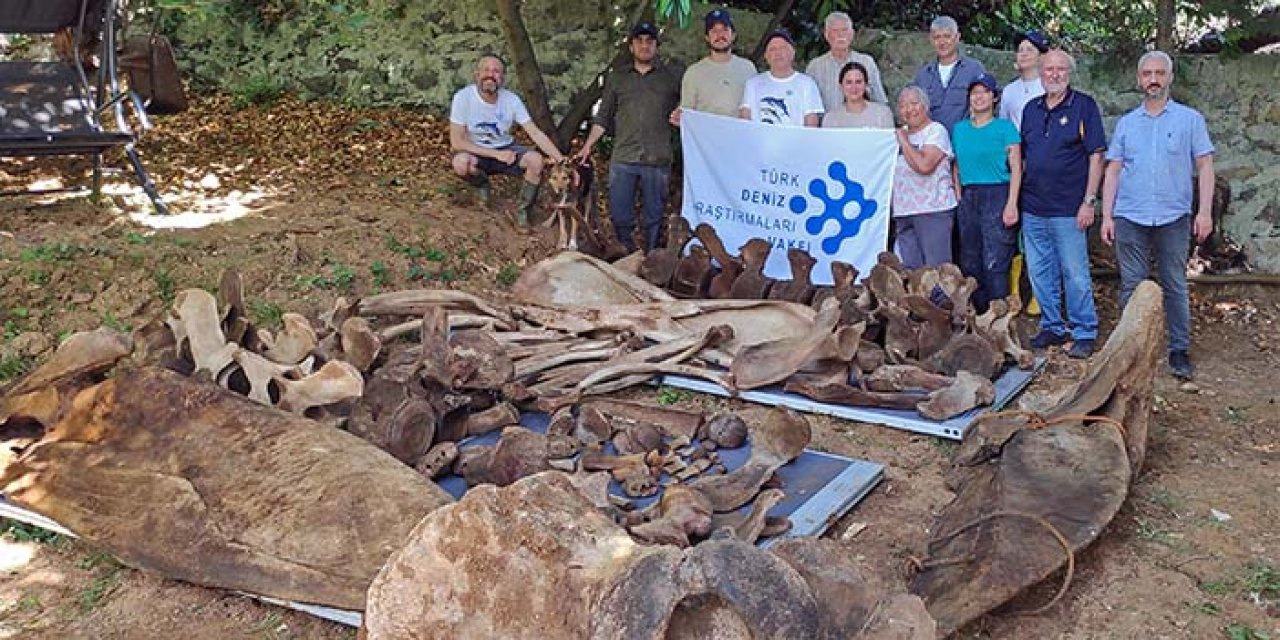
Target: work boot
<point>1047,338</point>
<point>1081,349</point>
<point>528,196</point>
<point>1180,364</point>
<point>481,182</point>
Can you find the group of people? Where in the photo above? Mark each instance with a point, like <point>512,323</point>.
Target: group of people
<point>977,163</point>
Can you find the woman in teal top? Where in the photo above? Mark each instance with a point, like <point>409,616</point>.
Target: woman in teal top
<point>989,162</point>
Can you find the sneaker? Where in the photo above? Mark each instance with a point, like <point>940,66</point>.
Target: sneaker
<point>1081,349</point>
<point>1180,364</point>
<point>1047,338</point>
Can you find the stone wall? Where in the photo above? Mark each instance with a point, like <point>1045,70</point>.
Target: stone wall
<point>419,53</point>
<point>1240,99</point>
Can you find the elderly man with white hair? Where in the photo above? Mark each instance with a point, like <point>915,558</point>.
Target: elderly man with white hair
<point>1146,197</point>
<point>1062,145</point>
<point>946,79</point>
<point>825,69</point>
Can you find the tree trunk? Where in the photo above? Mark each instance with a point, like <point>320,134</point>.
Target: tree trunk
<point>1165,16</point>
<point>586,98</point>
<point>526,65</point>
<point>783,9</point>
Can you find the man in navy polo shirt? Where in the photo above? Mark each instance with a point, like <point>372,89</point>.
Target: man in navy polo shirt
<point>1062,143</point>
<point>1146,199</point>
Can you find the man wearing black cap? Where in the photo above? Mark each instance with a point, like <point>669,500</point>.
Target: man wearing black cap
<point>635,108</point>
<point>714,84</point>
<point>781,95</point>
<point>1027,87</point>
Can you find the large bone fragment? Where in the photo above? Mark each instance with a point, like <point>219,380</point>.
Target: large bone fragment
<point>778,436</point>
<point>196,323</point>
<point>84,353</point>
<point>768,362</point>
<point>197,484</point>
<point>415,302</point>
<point>293,343</point>
<point>576,279</point>
<point>334,382</point>
<point>966,392</point>
<point>1021,483</point>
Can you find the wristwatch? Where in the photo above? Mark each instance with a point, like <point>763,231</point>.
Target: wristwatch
<point>1091,199</point>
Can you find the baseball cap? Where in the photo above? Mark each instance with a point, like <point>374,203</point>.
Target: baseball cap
<point>717,16</point>
<point>644,29</point>
<point>779,33</point>
<point>986,80</point>
<point>1034,37</point>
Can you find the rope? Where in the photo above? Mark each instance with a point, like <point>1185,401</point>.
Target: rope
<point>1036,420</point>
<point>920,565</point>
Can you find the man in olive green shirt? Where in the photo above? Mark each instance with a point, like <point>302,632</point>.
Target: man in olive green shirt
<point>636,108</point>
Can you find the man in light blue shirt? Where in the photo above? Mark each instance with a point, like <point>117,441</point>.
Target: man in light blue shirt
<point>1146,197</point>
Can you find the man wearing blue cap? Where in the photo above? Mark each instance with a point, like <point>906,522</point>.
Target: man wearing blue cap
<point>714,84</point>
<point>989,159</point>
<point>781,95</point>
<point>1026,87</point>
<point>636,108</point>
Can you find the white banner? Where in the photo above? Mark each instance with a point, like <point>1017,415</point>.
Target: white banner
<point>826,191</point>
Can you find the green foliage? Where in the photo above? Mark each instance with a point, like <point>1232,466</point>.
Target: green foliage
<point>23,532</point>
<point>672,395</point>
<point>133,237</point>
<point>381,276</point>
<point>1243,632</point>
<point>265,314</point>
<point>49,252</point>
<point>340,276</point>
<point>507,275</point>
<point>110,320</point>
<point>677,9</point>
<point>260,89</point>
<point>12,367</point>
<point>165,285</point>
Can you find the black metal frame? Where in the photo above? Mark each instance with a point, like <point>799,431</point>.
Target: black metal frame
<point>100,98</point>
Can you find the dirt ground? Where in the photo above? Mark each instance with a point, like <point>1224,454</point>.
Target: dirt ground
<point>314,202</point>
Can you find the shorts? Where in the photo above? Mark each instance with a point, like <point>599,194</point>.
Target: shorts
<point>489,166</point>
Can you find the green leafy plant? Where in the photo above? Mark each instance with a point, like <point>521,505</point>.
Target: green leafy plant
<point>133,237</point>
<point>381,275</point>
<point>265,314</point>
<point>672,395</point>
<point>507,275</point>
<point>23,532</point>
<point>1243,632</point>
<point>110,320</point>
<point>259,88</point>
<point>49,252</point>
<point>12,367</point>
<point>165,285</point>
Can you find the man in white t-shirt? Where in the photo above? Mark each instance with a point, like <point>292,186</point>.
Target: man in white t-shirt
<point>480,123</point>
<point>781,95</point>
<point>1029,46</point>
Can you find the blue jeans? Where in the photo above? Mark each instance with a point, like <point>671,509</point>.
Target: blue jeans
<point>924,239</point>
<point>986,245</point>
<point>1057,254</point>
<point>1136,246</point>
<point>624,179</point>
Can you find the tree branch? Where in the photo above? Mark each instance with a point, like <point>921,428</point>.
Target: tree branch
<point>526,66</point>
